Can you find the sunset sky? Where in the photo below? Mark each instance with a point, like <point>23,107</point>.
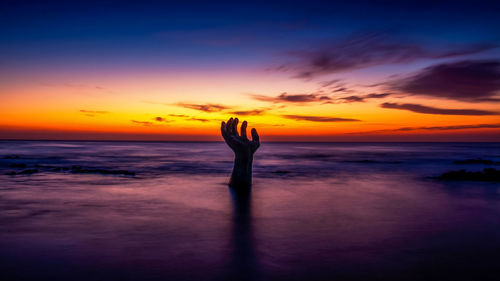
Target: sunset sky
<point>296,71</point>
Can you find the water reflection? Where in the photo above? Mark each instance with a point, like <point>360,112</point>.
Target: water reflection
<point>243,263</point>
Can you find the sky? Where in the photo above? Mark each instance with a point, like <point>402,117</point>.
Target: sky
<point>295,70</point>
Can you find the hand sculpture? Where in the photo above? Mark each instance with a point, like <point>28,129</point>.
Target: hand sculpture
<point>243,149</point>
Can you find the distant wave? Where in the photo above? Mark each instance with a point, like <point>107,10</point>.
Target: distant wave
<point>143,160</point>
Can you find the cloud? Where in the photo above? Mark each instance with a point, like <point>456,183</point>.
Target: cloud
<point>434,128</point>
<point>144,123</point>
<point>471,80</point>
<point>318,118</point>
<point>331,83</point>
<point>334,86</point>
<point>462,127</point>
<point>317,97</point>
<point>198,119</point>
<point>250,112</point>
<point>162,119</point>
<point>350,99</point>
<point>341,89</point>
<point>93,111</point>
<point>376,96</point>
<point>297,99</point>
<point>434,110</point>
<point>365,50</point>
<point>204,107</point>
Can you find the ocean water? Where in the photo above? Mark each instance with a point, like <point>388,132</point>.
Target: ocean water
<point>317,211</point>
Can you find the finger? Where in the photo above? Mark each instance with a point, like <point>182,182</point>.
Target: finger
<point>229,126</point>
<point>255,136</point>
<point>244,129</point>
<point>223,129</point>
<point>235,127</point>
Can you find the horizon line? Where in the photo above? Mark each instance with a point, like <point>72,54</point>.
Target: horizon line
<point>222,141</point>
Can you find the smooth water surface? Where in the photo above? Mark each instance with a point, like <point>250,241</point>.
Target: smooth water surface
<point>317,211</point>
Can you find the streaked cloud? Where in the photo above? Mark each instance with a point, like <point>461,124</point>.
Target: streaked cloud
<point>319,97</point>
<point>92,113</point>
<point>471,80</point>
<point>144,123</point>
<point>294,98</point>
<point>209,107</point>
<point>434,128</point>
<point>331,83</point>
<point>318,118</point>
<point>252,112</point>
<point>198,119</point>
<point>366,50</point>
<point>362,98</point>
<point>418,108</point>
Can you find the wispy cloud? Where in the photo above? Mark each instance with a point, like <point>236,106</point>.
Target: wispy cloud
<point>198,119</point>
<point>297,98</point>
<point>144,123</point>
<point>472,80</point>
<point>362,98</point>
<point>418,108</point>
<point>162,119</point>
<point>331,83</point>
<point>365,50</point>
<point>350,99</point>
<point>319,97</point>
<point>340,89</point>
<point>318,118</point>
<point>433,128</point>
<point>252,112</point>
<point>209,107</point>
<point>92,113</point>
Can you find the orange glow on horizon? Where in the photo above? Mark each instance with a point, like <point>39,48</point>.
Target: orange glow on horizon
<point>131,107</point>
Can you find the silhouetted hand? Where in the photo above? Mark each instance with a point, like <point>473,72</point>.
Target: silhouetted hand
<point>240,144</point>
<point>243,149</point>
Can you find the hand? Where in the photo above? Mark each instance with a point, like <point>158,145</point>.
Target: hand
<point>240,144</point>
<point>243,148</point>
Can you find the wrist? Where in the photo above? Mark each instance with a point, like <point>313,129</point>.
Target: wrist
<point>243,158</point>
<point>242,171</point>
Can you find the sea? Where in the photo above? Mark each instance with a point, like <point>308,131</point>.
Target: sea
<point>83,210</point>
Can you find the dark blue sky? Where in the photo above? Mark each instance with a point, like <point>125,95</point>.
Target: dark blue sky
<point>209,32</point>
